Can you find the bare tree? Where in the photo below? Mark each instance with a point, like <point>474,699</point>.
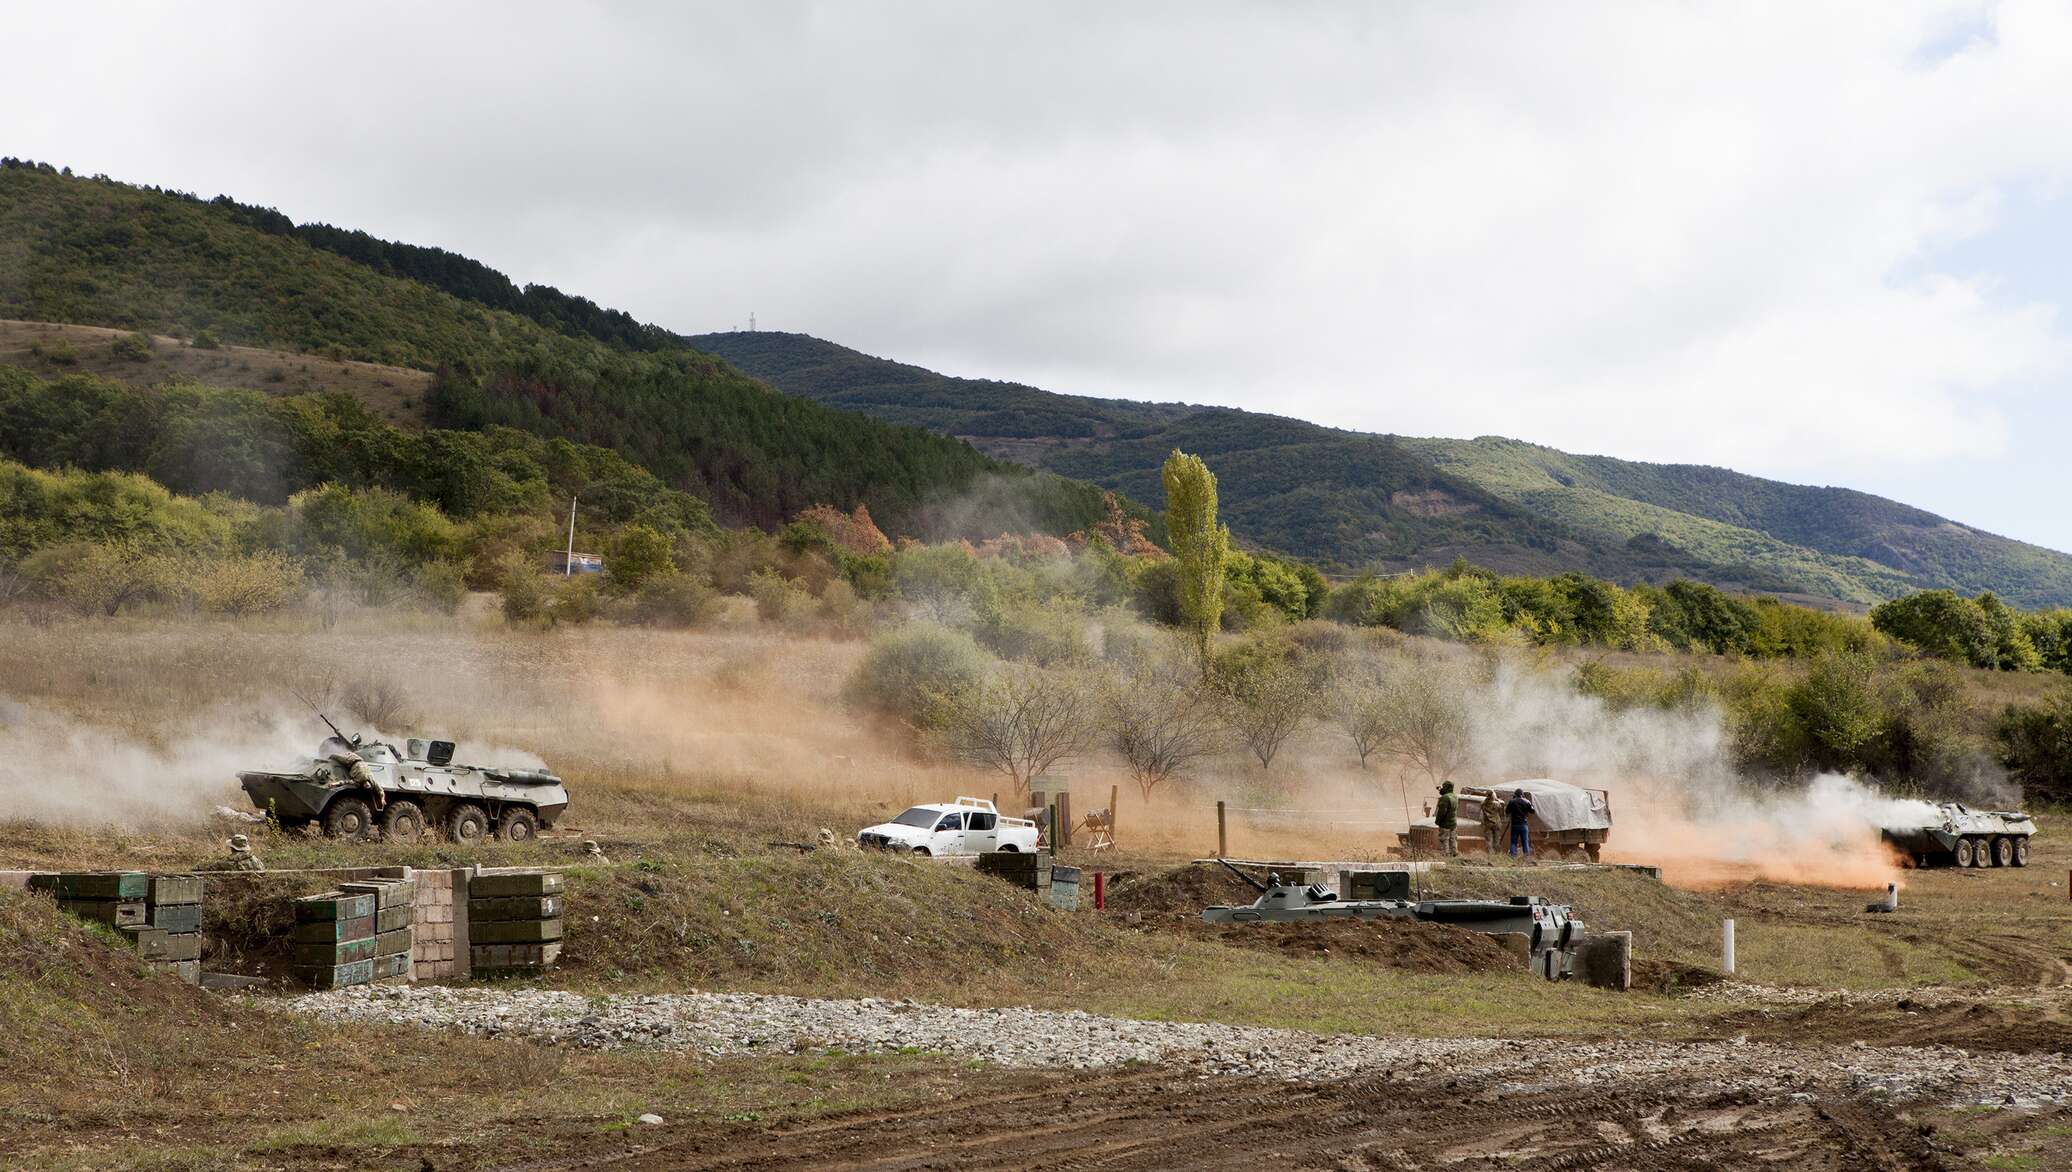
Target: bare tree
<point>1021,721</point>
<point>1160,718</point>
<point>1267,698</point>
<point>1428,720</point>
<point>1358,702</point>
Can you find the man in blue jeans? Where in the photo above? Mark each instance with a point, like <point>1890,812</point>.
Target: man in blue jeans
<point>1516,811</point>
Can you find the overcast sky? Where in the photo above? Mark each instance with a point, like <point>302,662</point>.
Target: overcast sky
<point>1827,244</point>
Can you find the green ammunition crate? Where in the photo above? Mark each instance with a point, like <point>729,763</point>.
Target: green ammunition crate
<point>514,931</point>
<point>333,953</point>
<point>187,970</point>
<point>333,905</point>
<point>358,972</point>
<point>390,943</point>
<point>159,944</point>
<point>116,913</point>
<point>529,883</point>
<point>96,884</point>
<point>174,889</point>
<point>515,907</point>
<point>320,931</point>
<point>386,892</point>
<point>389,919</point>
<point>506,957</point>
<point>173,917</point>
<point>397,965</point>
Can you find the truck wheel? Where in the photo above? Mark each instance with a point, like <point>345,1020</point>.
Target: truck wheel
<point>402,822</point>
<point>518,825</point>
<point>467,824</point>
<point>2003,852</point>
<point>348,818</point>
<point>1594,851</point>
<point>920,852</point>
<point>2021,852</point>
<point>1010,849</point>
<point>1964,855</point>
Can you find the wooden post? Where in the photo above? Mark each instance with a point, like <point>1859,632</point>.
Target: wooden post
<point>1065,818</point>
<point>1053,830</point>
<point>1222,840</point>
<point>1114,792</point>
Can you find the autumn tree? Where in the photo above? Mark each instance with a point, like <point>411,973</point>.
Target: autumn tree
<point>1160,718</point>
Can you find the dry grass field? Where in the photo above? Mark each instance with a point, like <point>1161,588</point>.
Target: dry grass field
<point>689,755</point>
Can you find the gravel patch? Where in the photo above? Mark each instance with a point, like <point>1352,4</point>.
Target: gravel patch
<point>728,1024</point>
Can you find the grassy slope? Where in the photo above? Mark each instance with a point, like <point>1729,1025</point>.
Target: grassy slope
<point>93,252</point>
<point>1355,498</point>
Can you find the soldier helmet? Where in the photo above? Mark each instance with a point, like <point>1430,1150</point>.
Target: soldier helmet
<point>239,842</point>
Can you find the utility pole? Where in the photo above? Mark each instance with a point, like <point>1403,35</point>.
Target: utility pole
<point>568,563</point>
<point>751,321</point>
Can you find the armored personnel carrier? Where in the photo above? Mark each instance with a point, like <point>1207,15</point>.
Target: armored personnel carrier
<point>1551,929</point>
<point>354,788</point>
<point>1966,837</point>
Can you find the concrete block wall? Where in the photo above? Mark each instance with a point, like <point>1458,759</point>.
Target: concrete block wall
<point>440,950</point>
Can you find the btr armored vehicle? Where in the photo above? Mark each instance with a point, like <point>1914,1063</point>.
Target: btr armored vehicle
<point>353,788</point>
<point>968,826</point>
<point>1966,838</point>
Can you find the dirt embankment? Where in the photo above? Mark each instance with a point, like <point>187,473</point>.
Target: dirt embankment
<point>1173,901</point>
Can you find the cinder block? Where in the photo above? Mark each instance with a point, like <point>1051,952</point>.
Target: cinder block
<point>389,919</point>
<point>95,884</point>
<point>333,953</point>
<point>116,913</point>
<point>514,931</point>
<point>515,907</point>
<point>522,883</point>
<point>358,972</point>
<point>158,944</point>
<point>174,889</point>
<point>318,931</point>
<point>173,917</point>
<point>333,905</point>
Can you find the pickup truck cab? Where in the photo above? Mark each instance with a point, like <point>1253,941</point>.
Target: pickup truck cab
<point>967,826</point>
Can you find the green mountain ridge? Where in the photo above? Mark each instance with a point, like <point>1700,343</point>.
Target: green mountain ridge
<point>1359,500</point>
<point>103,253</point>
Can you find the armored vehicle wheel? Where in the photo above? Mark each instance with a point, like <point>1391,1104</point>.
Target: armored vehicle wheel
<point>348,818</point>
<point>2021,852</point>
<point>518,825</point>
<point>2003,852</point>
<point>1964,854</point>
<point>467,824</point>
<point>402,822</point>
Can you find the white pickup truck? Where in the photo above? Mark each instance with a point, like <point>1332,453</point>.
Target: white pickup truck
<point>967,826</point>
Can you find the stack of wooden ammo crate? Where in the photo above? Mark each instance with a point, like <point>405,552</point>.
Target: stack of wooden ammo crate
<point>514,921</point>
<point>355,935</point>
<point>161,914</point>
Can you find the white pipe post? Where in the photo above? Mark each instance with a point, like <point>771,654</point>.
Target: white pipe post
<point>1726,948</point>
<point>568,562</point>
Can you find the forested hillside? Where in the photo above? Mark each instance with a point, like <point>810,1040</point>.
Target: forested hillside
<point>97,252</point>
<point>1355,500</point>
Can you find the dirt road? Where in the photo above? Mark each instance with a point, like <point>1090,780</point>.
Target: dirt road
<point>1157,1119</point>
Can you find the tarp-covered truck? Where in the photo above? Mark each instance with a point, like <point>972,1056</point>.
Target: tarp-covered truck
<point>1567,821</point>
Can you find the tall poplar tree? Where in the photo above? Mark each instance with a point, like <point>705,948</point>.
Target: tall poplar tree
<point>1199,545</point>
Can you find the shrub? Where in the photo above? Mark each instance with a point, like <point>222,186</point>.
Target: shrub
<point>913,674</point>
<point>245,584</point>
<point>206,339</point>
<point>778,600</point>
<point>673,600</point>
<point>134,347</point>
<point>640,553</point>
<point>1047,633</point>
<point>527,595</point>
<point>2036,747</point>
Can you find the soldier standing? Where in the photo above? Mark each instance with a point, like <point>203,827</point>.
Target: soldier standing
<point>1447,819</point>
